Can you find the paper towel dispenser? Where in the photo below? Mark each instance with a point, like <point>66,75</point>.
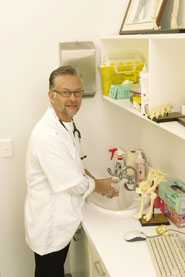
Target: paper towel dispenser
<point>82,56</point>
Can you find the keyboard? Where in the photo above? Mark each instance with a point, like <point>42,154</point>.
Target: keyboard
<point>168,254</point>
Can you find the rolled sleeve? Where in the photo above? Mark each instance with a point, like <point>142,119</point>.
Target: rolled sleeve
<point>84,188</point>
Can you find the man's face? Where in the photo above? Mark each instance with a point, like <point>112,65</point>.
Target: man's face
<point>66,96</point>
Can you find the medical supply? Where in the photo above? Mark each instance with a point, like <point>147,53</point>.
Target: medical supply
<point>75,129</point>
<point>178,220</point>
<point>137,159</point>
<point>168,254</point>
<point>144,89</point>
<point>117,71</point>
<point>136,101</point>
<point>132,156</point>
<point>76,132</point>
<point>173,194</point>
<point>121,170</point>
<point>140,167</point>
<point>117,156</point>
<point>121,91</point>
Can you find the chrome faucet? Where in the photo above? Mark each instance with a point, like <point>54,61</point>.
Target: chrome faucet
<point>131,183</point>
<point>122,171</point>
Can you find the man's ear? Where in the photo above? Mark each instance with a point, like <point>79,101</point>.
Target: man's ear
<point>52,96</point>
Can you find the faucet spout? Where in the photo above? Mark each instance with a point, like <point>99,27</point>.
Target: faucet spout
<point>131,176</point>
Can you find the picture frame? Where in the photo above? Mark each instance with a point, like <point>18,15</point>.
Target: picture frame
<point>174,16</point>
<point>142,16</point>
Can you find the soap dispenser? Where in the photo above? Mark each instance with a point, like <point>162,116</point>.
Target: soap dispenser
<point>140,167</point>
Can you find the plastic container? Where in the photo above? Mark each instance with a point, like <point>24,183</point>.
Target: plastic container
<point>140,168</point>
<point>173,194</point>
<point>115,73</point>
<point>178,220</point>
<point>144,89</point>
<point>120,91</point>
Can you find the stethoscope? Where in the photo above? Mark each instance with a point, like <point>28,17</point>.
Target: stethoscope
<point>75,132</point>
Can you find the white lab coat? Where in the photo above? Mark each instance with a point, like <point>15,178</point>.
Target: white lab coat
<point>56,186</point>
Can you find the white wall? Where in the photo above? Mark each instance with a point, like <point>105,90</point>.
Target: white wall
<point>30,33</point>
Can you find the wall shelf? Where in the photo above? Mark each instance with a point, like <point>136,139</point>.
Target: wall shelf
<point>174,127</point>
<point>164,57</point>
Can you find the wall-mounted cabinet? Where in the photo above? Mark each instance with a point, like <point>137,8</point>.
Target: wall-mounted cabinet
<point>164,57</point>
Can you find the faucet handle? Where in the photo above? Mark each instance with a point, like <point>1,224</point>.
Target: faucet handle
<point>112,151</point>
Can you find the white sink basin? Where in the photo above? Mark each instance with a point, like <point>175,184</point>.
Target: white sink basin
<point>125,204</point>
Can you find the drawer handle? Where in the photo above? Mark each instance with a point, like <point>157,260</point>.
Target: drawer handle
<point>99,268</point>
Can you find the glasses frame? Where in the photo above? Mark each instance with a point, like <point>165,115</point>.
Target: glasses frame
<point>70,92</point>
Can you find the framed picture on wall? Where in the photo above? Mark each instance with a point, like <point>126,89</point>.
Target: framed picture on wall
<point>142,16</point>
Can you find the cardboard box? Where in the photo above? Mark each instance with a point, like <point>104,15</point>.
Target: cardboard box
<point>173,194</point>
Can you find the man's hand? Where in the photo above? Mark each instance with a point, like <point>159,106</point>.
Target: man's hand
<point>106,187</point>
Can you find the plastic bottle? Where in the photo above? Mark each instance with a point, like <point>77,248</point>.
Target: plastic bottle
<point>144,91</point>
<point>140,168</point>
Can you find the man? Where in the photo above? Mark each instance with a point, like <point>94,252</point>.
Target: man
<point>57,184</point>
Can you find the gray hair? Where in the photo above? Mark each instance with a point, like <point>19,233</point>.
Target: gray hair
<point>62,70</point>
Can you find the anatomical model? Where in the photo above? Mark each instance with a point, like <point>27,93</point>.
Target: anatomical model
<point>147,191</point>
<point>160,111</point>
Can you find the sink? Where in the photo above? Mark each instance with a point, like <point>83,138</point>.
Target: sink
<point>125,204</point>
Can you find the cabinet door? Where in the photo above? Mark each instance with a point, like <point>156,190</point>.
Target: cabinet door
<point>97,268</point>
<point>77,263</point>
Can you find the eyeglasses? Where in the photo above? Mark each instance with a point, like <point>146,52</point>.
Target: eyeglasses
<point>68,93</point>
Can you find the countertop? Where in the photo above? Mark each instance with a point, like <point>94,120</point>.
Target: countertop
<point>121,258</point>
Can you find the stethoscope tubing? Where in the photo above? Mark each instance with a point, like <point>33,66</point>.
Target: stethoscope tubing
<point>75,131</point>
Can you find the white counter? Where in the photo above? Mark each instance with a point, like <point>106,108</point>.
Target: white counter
<point>121,258</point>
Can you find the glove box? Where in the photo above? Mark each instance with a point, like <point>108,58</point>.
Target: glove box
<point>173,194</point>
